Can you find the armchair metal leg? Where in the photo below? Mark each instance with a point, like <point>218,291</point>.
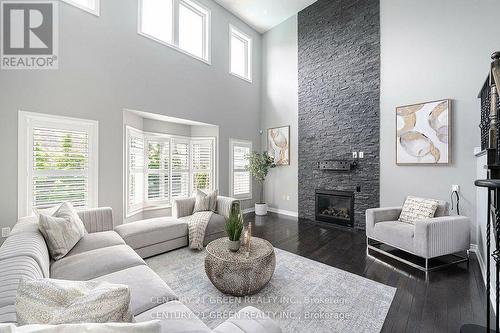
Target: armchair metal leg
<point>426,268</point>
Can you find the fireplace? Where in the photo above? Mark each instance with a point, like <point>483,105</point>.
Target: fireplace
<point>335,207</point>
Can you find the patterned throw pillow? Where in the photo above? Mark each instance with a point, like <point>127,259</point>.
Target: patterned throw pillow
<point>61,230</point>
<point>417,209</point>
<point>205,201</point>
<point>49,301</point>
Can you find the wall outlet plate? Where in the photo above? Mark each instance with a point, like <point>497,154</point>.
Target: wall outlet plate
<point>455,188</point>
<point>361,154</point>
<point>354,154</point>
<point>5,232</point>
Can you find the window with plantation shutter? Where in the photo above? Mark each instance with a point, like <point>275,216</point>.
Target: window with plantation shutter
<point>158,172</point>
<point>202,165</point>
<point>180,168</point>
<point>163,167</point>
<point>59,157</point>
<point>135,161</point>
<point>240,179</point>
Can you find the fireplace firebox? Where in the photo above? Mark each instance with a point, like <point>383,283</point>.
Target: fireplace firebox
<point>335,206</point>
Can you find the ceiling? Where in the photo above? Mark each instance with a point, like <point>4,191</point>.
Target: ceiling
<point>263,15</point>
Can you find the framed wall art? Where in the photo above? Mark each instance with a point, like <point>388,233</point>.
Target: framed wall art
<point>423,133</point>
<point>278,144</point>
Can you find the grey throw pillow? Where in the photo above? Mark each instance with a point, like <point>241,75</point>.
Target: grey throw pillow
<point>205,201</point>
<point>61,230</point>
<point>53,302</point>
<point>417,209</point>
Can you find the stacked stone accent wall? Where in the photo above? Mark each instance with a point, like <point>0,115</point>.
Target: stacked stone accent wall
<point>339,93</point>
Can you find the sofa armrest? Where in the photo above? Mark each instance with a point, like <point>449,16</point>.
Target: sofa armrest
<point>440,236</point>
<point>375,215</point>
<point>224,205</point>
<point>248,320</point>
<point>183,207</point>
<point>97,219</point>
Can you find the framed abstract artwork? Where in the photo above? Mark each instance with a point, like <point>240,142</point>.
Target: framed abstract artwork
<point>423,133</point>
<point>278,144</point>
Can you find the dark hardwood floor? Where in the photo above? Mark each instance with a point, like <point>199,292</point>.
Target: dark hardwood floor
<point>441,303</point>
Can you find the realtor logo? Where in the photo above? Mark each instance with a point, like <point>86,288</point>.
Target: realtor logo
<point>29,38</point>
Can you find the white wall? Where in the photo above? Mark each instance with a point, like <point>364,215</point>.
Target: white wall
<point>280,108</point>
<point>434,50</point>
<point>106,67</point>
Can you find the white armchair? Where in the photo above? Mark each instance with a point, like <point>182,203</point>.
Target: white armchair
<point>427,238</point>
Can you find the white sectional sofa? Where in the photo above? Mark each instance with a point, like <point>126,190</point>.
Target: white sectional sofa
<point>103,255</point>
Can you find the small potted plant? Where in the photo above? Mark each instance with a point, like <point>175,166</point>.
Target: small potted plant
<point>259,165</point>
<point>234,227</point>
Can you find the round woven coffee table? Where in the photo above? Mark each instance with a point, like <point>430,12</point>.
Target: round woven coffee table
<point>236,274</point>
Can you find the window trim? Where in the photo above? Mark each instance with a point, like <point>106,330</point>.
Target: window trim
<point>26,121</point>
<point>148,205</point>
<point>232,143</point>
<point>175,28</point>
<point>96,11</point>
<point>245,38</point>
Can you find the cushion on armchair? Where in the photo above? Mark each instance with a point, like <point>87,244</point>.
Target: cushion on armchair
<point>415,209</point>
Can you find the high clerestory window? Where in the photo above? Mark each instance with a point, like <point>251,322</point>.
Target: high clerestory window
<point>181,24</point>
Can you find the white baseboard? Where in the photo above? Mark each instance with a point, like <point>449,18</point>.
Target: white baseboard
<point>273,210</point>
<point>283,212</point>
<point>248,210</point>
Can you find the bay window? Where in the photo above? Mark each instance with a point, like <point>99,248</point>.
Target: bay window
<point>172,167</point>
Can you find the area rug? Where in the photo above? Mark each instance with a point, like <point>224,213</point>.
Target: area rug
<point>303,295</point>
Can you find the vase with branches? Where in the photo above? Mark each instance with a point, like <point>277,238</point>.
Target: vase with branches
<point>259,165</point>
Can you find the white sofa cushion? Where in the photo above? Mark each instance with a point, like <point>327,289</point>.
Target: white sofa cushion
<point>49,301</point>
<point>91,264</point>
<point>175,317</point>
<point>148,232</point>
<point>147,289</point>
<point>96,240</point>
<point>146,327</point>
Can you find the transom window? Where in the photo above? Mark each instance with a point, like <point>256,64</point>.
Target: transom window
<point>240,178</point>
<point>162,168</point>
<point>241,54</point>
<point>181,24</point>
<point>91,6</point>
<point>58,162</point>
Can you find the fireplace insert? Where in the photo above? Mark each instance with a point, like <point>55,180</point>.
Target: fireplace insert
<point>335,207</point>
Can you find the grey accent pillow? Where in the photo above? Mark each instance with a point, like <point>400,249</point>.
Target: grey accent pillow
<point>417,209</point>
<point>153,326</point>
<point>61,230</point>
<point>53,302</point>
<point>205,201</point>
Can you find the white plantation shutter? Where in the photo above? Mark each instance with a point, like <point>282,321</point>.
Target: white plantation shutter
<point>136,170</point>
<point>180,168</point>
<point>202,165</point>
<point>60,165</point>
<point>162,168</point>
<point>158,170</point>
<point>241,181</point>
<point>59,156</point>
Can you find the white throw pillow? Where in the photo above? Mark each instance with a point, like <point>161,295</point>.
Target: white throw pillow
<point>46,211</point>
<point>53,302</point>
<point>61,230</point>
<point>205,201</point>
<point>417,209</point>
<point>153,326</point>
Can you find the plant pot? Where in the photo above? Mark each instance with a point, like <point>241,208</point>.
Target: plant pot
<point>260,209</point>
<point>234,246</point>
